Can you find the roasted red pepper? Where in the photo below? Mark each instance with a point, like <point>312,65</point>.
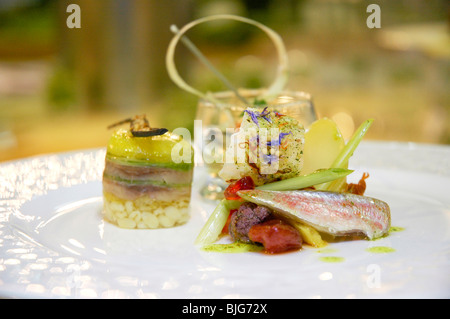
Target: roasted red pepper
<point>276,236</point>
<point>241,184</point>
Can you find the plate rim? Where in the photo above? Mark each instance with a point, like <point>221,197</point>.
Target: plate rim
<point>99,151</point>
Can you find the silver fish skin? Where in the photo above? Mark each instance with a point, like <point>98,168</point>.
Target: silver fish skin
<point>329,212</point>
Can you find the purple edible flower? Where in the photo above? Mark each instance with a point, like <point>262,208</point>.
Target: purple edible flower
<point>264,114</point>
<point>255,115</point>
<point>278,142</point>
<point>282,135</point>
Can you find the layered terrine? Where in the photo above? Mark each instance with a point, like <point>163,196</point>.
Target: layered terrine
<point>143,186</point>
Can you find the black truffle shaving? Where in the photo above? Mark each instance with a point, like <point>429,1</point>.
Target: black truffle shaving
<point>140,127</point>
<point>151,132</point>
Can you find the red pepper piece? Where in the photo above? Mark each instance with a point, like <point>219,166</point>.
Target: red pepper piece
<point>241,184</point>
<point>276,236</point>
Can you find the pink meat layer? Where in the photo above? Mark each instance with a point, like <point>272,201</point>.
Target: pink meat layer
<point>144,173</point>
<point>131,191</point>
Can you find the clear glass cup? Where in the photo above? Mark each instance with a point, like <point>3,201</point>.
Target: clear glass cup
<point>219,120</point>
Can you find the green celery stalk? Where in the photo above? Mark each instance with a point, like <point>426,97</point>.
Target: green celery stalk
<point>342,159</point>
<point>352,144</point>
<point>216,221</point>
<point>299,182</point>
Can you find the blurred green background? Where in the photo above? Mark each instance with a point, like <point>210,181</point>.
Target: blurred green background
<point>61,87</point>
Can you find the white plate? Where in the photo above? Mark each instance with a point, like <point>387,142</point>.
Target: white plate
<point>54,243</point>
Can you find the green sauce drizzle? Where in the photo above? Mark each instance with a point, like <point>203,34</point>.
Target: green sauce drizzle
<point>236,247</point>
<point>327,251</point>
<point>380,249</point>
<point>396,229</point>
<point>332,259</point>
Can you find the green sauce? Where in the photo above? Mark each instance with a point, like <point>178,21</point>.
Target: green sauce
<point>396,229</point>
<point>236,247</point>
<point>392,229</point>
<point>332,259</point>
<point>327,251</point>
<point>380,249</point>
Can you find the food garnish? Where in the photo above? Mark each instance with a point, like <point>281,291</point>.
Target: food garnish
<point>236,186</point>
<point>140,127</point>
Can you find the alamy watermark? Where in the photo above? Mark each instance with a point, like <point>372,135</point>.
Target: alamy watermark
<point>73,279</point>
<point>253,147</point>
<point>374,278</point>
<point>374,19</point>
<point>74,19</point>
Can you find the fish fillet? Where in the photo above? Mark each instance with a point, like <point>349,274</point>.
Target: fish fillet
<point>329,212</point>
